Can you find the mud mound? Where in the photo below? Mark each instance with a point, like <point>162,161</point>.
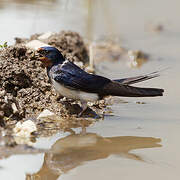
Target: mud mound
<point>24,86</point>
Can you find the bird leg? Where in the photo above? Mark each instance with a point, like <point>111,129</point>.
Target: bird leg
<point>83,131</point>
<point>84,107</point>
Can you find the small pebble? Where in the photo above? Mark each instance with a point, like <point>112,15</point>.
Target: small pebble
<point>24,129</point>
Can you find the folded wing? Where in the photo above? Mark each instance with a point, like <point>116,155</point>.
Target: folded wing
<point>74,77</point>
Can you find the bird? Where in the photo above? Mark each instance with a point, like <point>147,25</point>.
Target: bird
<point>72,82</point>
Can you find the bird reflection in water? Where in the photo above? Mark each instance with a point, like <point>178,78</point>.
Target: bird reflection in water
<point>74,150</point>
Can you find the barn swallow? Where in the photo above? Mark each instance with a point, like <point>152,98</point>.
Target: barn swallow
<point>72,82</point>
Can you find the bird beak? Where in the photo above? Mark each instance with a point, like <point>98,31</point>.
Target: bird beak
<point>46,61</point>
<point>39,50</point>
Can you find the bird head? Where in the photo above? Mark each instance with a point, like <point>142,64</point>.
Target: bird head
<point>50,56</point>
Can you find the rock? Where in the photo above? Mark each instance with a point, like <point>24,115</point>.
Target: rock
<point>22,140</point>
<point>24,129</point>
<point>35,44</point>
<point>14,108</point>
<point>45,36</point>
<point>46,113</point>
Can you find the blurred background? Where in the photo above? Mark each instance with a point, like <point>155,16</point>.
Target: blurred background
<point>121,20</point>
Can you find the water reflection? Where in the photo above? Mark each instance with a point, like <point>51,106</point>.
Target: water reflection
<point>74,150</point>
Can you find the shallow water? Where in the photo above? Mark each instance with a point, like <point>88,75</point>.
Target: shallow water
<point>138,140</point>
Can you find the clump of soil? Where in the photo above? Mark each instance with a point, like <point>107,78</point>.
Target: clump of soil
<point>24,86</point>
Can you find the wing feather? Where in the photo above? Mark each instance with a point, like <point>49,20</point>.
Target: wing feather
<point>74,77</point>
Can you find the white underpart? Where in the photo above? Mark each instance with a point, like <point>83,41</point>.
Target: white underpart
<point>74,94</point>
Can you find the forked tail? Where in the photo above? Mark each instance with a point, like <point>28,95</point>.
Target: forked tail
<point>136,79</point>
<point>117,89</point>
